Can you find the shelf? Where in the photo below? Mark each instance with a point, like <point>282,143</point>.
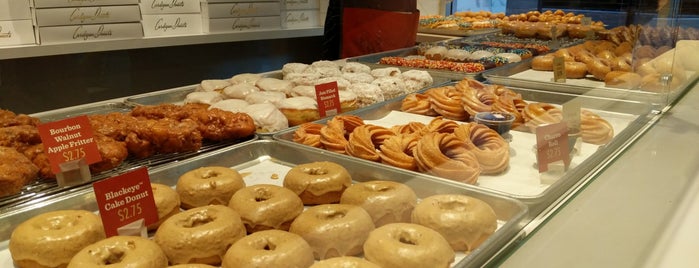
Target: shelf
<point>27,51</point>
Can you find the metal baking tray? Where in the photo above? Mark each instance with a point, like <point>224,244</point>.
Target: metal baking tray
<point>521,181</point>
<point>86,109</point>
<point>178,95</point>
<point>509,38</point>
<point>522,75</point>
<point>452,32</point>
<point>254,160</point>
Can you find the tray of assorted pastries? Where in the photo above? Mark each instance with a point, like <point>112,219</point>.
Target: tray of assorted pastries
<point>460,23</point>
<point>126,137</point>
<point>285,98</point>
<point>277,204</point>
<point>622,64</point>
<point>426,133</point>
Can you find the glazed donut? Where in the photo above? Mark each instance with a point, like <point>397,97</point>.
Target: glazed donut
<point>581,54</point>
<point>269,249</point>
<point>409,128</point>
<point>439,125</point>
<point>491,150</point>
<point>417,103</point>
<point>538,114</point>
<point>275,85</point>
<point>364,141</point>
<point>594,129</point>
<point>265,206</point>
<point>512,105</point>
<point>385,201</point>
<point>598,68</point>
<point>267,117</point>
<point>565,54</point>
<point>623,48</point>
<point>245,78</point>
<point>200,235</point>
<point>167,201</point>
<point>621,64</point>
<point>308,134</point>
<point>621,79</point>
<point>575,70</point>
<point>344,262</point>
<point>239,91</point>
<point>203,97</point>
<point>446,101</point>
<point>464,221</point>
<point>475,101</point>
<point>397,151</point>
<point>299,110</point>
<point>318,182</point>
<point>334,134</point>
<point>543,62</point>
<point>605,55</point>
<point>400,245</point>
<point>51,239</point>
<point>334,230</point>
<point>121,251</point>
<point>445,155</point>
<point>436,53</point>
<point>211,185</point>
<point>209,85</point>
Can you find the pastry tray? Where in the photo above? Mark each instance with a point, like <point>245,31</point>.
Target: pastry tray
<point>453,32</point>
<point>45,188</point>
<point>522,180</point>
<point>178,95</point>
<point>522,75</point>
<point>261,160</point>
<point>509,38</point>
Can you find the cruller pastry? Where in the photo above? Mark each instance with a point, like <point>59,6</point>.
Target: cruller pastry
<point>491,150</point>
<point>445,155</point>
<point>364,141</point>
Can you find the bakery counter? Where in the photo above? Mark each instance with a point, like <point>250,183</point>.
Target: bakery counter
<point>640,211</point>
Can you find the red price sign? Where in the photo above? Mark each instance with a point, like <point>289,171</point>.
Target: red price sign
<point>328,98</point>
<point>68,140</point>
<point>552,145</point>
<point>124,199</point>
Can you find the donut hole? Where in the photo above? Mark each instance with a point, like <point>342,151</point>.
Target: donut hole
<point>56,223</point>
<point>332,215</point>
<point>197,219</point>
<point>379,188</point>
<point>113,256</point>
<point>452,205</point>
<point>208,174</point>
<point>315,171</point>
<point>262,194</point>
<point>408,238</point>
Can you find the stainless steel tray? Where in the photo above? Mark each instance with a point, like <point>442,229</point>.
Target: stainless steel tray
<point>521,75</point>
<point>464,33</point>
<point>509,38</point>
<point>87,109</point>
<point>177,96</point>
<point>511,213</point>
<point>522,181</point>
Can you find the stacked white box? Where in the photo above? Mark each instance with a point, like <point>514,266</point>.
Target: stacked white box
<point>171,17</point>
<point>16,25</point>
<point>301,14</point>
<point>61,21</point>
<point>241,15</point>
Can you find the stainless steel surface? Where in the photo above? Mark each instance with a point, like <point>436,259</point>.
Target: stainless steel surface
<point>642,112</point>
<point>510,212</point>
<point>462,33</point>
<point>88,109</point>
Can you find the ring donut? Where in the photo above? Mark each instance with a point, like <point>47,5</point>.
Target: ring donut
<point>212,185</point>
<point>266,206</point>
<point>400,245</point>
<point>318,182</point>
<point>491,150</point>
<point>121,251</point>
<point>445,155</point>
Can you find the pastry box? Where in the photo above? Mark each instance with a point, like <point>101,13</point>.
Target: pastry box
<point>15,10</point>
<point>64,3</point>
<point>247,24</point>
<point>293,19</point>
<point>239,10</point>
<point>91,32</point>
<point>522,180</point>
<point>87,15</point>
<point>170,7</point>
<point>171,24</point>
<point>301,4</point>
<point>267,161</point>
<point>17,32</point>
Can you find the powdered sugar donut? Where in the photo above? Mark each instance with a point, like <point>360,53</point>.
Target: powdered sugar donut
<point>299,110</point>
<point>358,77</point>
<point>306,79</point>
<point>231,105</point>
<point>294,67</point>
<point>239,91</point>
<point>342,83</point>
<point>367,94</point>
<point>268,118</point>
<point>325,64</point>
<point>416,79</point>
<point>356,67</point>
<point>388,71</point>
<point>325,71</point>
<point>203,97</point>
<point>391,87</point>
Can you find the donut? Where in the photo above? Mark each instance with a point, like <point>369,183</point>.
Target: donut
<point>417,103</point>
<point>356,67</point>
<point>397,151</point>
<point>457,54</point>
<point>575,70</point>
<point>598,69</point>
<point>446,101</point>
<point>436,52</point>
<point>294,67</point>
<point>342,83</point>
<point>621,79</point>
<point>269,249</point>
<point>543,63</point>
<point>299,110</point>
<point>302,79</point>
<point>358,78</point>
<point>333,230</point>
<point>476,101</point>
<point>275,85</point>
<point>364,141</point>
<point>367,94</point>
<point>348,101</point>
<point>265,206</point>
<point>239,91</point>
<point>386,71</point>
<point>385,201</point>
<point>199,235</point>
<point>213,85</point>
<point>231,105</point>
<point>491,150</point>
<point>334,135</point>
<point>167,201</point>
<point>409,128</point>
<point>212,185</point>
<point>265,97</point>
<point>513,105</point>
<point>318,182</point>
<point>391,87</point>
<point>416,79</point>
<point>445,155</point>
<point>120,251</point>
<point>594,129</point>
<point>245,78</point>
<point>51,239</point>
<point>203,97</point>
<point>565,54</point>
<point>268,118</point>
<point>464,221</point>
<point>438,125</point>
<point>344,262</point>
<point>308,134</point>
<point>400,245</point>
<point>538,113</point>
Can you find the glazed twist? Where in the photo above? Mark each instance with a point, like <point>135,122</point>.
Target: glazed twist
<point>365,141</point>
<point>445,155</point>
<point>417,103</point>
<point>308,134</point>
<point>595,129</point>
<point>397,151</point>
<point>491,150</point>
<point>446,101</point>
